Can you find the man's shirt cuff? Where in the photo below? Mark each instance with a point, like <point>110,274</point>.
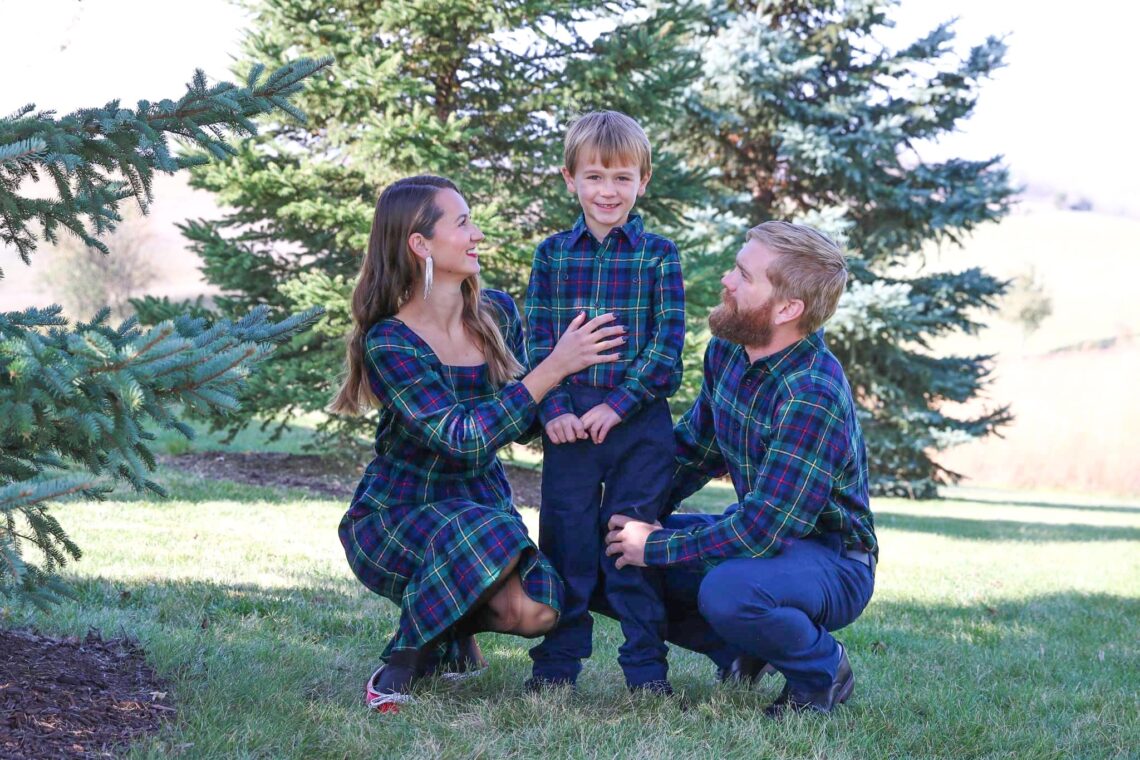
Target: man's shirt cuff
<point>666,547</point>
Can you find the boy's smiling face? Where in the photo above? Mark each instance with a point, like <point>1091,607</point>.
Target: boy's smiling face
<point>607,193</point>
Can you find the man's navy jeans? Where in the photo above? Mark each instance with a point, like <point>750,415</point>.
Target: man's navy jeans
<point>635,463</point>
<point>780,609</point>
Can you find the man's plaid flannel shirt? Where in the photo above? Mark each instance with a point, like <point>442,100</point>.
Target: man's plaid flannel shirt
<point>784,429</point>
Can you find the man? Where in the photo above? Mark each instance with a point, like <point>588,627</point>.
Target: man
<point>795,558</point>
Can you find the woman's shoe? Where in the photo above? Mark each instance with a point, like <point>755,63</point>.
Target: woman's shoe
<point>388,688</point>
<point>463,660</point>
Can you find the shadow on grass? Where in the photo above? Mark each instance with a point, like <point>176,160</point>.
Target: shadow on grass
<point>338,627</point>
<point>327,609</point>
<point>269,671</point>
<point>1037,629</point>
<point>1120,509</point>
<point>1004,530</point>
<point>192,489</point>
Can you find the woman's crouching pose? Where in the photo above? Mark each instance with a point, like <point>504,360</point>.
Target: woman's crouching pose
<point>431,525</point>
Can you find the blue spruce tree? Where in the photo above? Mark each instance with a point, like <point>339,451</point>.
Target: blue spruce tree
<point>77,402</point>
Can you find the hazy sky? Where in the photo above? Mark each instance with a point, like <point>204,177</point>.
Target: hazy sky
<point>1059,111</point>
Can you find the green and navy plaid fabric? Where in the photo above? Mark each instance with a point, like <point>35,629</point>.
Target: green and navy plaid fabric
<point>431,525</point>
<point>784,429</point>
<point>435,560</point>
<point>632,273</point>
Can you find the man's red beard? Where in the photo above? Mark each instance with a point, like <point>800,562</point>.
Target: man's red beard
<point>752,327</point>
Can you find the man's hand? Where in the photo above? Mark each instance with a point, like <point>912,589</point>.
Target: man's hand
<point>565,428</point>
<point>626,540</point>
<point>599,421</point>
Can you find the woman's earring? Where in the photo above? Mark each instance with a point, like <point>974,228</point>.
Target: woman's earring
<point>428,272</point>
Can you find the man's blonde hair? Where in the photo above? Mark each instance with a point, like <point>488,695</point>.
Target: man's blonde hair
<point>613,135</point>
<point>809,266</point>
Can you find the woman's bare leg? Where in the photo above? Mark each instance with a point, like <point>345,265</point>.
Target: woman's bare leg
<point>510,610</point>
<point>505,608</point>
<point>474,620</point>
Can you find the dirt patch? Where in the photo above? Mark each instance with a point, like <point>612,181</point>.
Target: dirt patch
<point>526,486</point>
<point>313,473</point>
<point>75,698</point>
<point>307,472</point>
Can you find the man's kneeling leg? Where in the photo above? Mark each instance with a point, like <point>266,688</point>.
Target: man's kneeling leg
<point>781,609</point>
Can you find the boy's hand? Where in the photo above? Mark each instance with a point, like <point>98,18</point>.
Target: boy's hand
<point>599,421</point>
<point>565,428</point>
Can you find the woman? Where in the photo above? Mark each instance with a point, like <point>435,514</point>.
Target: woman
<point>431,525</point>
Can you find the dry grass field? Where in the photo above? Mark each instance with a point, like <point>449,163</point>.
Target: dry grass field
<point>1076,429</point>
<point>1069,382</point>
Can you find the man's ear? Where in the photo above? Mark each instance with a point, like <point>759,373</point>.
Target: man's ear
<point>789,311</point>
<point>566,175</point>
<point>419,245</point>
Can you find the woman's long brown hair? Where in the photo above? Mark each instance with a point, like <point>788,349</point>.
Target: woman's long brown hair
<point>391,273</point>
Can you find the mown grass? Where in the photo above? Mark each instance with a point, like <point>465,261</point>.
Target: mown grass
<point>252,438</point>
<point>997,630</point>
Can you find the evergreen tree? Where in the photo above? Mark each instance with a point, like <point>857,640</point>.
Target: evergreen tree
<point>479,92</point>
<point>807,117</point>
<point>756,110</point>
<point>76,402</point>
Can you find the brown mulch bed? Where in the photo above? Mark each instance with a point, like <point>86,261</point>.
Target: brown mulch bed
<point>75,698</point>
<point>309,472</point>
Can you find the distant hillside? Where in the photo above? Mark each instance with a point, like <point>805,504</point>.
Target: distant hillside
<point>1070,381</point>
<point>1087,263</point>
<point>174,202</point>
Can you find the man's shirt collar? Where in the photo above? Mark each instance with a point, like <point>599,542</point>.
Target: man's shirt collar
<point>786,359</point>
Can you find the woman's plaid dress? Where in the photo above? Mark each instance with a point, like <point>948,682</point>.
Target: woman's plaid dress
<point>431,525</point>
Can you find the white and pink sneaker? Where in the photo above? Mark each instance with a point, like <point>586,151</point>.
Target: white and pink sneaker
<point>385,701</point>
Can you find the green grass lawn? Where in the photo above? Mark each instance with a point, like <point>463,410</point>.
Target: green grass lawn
<point>251,438</point>
<point>997,630</point>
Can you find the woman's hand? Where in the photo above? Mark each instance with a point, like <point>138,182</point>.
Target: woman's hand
<point>582,345</point>
<point>585,343</point>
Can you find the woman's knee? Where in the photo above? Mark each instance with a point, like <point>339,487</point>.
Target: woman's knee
<point>536,619</point>
<point>510,610</point>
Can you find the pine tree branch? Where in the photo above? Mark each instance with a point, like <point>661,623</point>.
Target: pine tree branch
<point>98,157</point>
<point>82,398</point>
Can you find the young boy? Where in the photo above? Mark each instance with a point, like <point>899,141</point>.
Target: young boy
<point>608,443</point>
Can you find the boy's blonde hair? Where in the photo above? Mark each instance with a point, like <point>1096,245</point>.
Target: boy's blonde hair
<point>808,266</point>
<point>615,136</point>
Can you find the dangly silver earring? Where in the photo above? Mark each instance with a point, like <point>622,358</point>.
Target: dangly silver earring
<point>428,272</point>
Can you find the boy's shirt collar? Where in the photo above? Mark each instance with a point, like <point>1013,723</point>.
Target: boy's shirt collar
<point>632,229</point>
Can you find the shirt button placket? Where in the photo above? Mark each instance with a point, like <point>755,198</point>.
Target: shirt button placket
<point>599,253</point>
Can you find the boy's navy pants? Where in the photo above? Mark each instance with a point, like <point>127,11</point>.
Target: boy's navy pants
<point>583,485</point>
